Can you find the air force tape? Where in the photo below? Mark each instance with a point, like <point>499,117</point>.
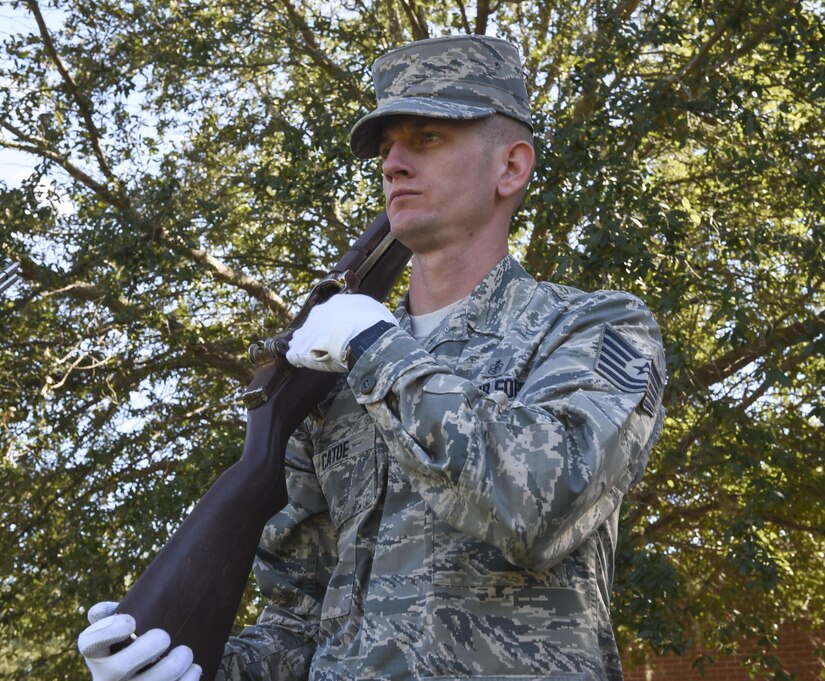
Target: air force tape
<point>628,369</point>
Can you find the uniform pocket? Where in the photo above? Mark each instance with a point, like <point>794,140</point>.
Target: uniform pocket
<point>347,471</point>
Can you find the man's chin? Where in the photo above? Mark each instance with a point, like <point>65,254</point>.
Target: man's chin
<point>406,227</point>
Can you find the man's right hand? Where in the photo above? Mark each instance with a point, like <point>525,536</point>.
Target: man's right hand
<point>140,660</point>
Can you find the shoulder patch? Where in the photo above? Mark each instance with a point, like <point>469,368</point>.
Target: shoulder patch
<point>628,369</point>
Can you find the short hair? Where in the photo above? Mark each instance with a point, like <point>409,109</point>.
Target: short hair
<point>500,129</point>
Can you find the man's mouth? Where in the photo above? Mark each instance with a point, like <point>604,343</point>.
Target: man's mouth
<point>401,194</point>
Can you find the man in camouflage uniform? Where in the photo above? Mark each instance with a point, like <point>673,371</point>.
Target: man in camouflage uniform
<point>453,504</point>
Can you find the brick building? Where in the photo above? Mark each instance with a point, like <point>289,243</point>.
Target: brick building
<point>801,654</point>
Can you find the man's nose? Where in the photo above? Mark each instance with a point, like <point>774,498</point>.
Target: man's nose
<point>396,162</point>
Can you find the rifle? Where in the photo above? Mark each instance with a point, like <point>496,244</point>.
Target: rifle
<point>193,587</point>
<point>9,276</point>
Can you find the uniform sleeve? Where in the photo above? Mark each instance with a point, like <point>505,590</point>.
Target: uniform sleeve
<point>292,568</point>
<point>535,475</point>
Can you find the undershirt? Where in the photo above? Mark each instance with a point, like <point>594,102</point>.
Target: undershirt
<point>423,324</point>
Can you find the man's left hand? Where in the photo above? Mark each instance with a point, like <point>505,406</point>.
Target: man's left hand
<point>322,342</point>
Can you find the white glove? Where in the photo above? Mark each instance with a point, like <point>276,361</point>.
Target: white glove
<point>107,628</point>
<point>321,343</point>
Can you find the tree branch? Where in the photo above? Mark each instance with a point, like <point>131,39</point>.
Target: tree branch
<point>231,276</point>
<point>311,46</point>
<point>665,521</point>
<point>35,146</point>
<point>793,525</point>
<point>418,22</point>
<point>756,37</point>
<point>693,63</point>
<point>208,354</point>
<point>707,423</point>
<point>719,369</point>
<point>702,52</point>
<point>465,22</point>
<point>80,99</point>
<point>482,17</point>
<point>223,272</point>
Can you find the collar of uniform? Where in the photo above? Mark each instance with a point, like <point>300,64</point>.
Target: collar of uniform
<point>492,303</point>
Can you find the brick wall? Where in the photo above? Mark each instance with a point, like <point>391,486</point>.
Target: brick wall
<point>798,651</point>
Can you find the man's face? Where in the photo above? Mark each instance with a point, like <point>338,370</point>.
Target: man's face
<point>439,181</point>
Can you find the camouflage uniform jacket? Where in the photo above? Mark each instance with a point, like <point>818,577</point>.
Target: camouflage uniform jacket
<point>453,510</point>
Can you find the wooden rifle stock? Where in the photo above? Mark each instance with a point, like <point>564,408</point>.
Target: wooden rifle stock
<point>193,587</point>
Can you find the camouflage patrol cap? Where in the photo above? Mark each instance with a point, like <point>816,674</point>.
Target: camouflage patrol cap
<point>459,77</point>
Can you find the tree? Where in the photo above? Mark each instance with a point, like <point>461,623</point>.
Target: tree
<point>193,178</point>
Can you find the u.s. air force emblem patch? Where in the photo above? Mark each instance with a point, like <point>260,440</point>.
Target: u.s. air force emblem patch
<point>628,369</point>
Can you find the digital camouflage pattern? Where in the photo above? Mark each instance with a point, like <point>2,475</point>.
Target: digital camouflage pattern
<point>453,510</point>
<point>459,77</point>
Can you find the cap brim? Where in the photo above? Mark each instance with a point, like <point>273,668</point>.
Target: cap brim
<point>365,134</point>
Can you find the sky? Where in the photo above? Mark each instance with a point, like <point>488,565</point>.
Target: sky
<point>16,166</point>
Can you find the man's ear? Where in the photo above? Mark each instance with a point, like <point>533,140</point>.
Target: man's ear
<point>518,158</point>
